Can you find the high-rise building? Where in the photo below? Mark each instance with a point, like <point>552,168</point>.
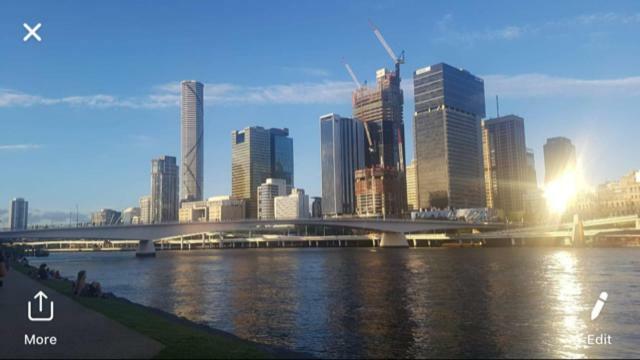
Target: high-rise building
<point>18,214</point>
<point>192,141</point>
<point>281,155</point>
<point>253,161</point>
<point>559,158</point>
<point>164,190</point>
<point>532,178</point>
<point>380,110</point>
<point>412,184</point>
<point>292,206</point>
<point>372,196</point>
<point>145,209</point>
<point>106,217</point>
<point>266,193</point>
<point>505,162</point>
<point>449,105</point>
<point>342,153</point>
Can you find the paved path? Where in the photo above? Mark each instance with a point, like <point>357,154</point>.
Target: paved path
<point>80,332</point>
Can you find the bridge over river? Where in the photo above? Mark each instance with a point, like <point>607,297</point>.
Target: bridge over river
<point>392,230</point>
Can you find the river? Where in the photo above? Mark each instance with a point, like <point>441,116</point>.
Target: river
<point>390,303</point>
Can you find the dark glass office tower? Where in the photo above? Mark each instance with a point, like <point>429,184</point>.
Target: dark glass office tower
<point>281,155</point>
<point>164,189</point>
<point>505,163</point>
<point>342,153</point>
<point>449,105</point>
<point>559,157</point>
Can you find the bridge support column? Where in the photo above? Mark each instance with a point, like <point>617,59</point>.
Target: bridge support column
<point>146,248</point>
<point>577,235</point>
<point>393,239</point>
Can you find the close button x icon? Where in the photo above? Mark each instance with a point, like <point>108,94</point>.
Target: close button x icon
<point>32,32</point>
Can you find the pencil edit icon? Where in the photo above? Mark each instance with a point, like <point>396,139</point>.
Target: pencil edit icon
<point>597,308</point>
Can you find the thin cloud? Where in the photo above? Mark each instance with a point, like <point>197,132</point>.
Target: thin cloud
<point>20,147</point>
<point>168,95</point>
<point>450,33</point>
<point>307,71</point>
<point>540,85</point>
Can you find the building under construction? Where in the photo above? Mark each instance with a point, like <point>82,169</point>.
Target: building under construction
<point>374,192</point>
<point>380,110</point>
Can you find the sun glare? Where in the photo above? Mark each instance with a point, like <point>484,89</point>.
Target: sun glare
<point>560,192</point>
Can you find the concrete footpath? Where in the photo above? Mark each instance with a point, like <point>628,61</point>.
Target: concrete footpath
<point>79,332</point>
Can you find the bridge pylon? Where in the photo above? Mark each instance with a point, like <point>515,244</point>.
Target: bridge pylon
<point>577,233</point>
<point>146,248</point>
<point>393,239</point>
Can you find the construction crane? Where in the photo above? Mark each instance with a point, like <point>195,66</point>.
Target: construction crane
<point>397,60</point>
<point>353,75</point>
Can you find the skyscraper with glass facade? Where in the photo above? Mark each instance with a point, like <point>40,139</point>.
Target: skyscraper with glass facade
<point>342,153</point>
<point>192,141</point>
<point>559,158</point>
<point>164,189</point>
<point>281,155</point>
<point>18,214</point>
<point>449,105</point>
<point>505,163</point>
<point>256,154</point>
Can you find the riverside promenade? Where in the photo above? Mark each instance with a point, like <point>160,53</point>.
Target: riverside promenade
<point>79,331</point>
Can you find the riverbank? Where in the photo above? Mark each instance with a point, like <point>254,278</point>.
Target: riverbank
<point>180,337</point>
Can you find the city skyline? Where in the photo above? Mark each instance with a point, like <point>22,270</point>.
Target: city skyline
<point>251,102</point>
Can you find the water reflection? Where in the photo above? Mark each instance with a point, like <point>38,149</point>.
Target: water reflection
<point>345,303</point>
<point>567,298</point>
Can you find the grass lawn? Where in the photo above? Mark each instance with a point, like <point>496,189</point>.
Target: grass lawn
<point>180,338</point>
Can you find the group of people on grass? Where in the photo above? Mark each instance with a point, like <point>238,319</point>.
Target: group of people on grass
<point>80,286</point>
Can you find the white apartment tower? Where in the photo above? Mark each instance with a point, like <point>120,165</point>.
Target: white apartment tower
<point>192,142</point>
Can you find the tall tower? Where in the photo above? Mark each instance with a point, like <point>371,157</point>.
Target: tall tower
<point>449,105</point>
<point>342,153</point>
<point>257,154</point>
<point>18,214</point>
<point>380,110</point>
<point>164,189</point>
<point>505,163</point>
<point>559,157</point>
<point>192,142</point>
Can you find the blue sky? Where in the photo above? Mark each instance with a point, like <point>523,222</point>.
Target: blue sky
<point>83,112</point>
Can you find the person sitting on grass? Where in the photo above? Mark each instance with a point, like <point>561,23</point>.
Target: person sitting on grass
<point>80,282</point>
<point>43,274</point>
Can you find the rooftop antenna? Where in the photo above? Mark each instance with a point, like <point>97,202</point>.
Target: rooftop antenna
<point>497,107</point>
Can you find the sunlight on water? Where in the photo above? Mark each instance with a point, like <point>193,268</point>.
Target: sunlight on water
<point>567,291</point>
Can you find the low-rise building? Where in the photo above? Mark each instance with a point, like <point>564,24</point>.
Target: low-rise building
<point>226,208</point>
<point>105,217</point>
<point>292,206</point>
<point>316,207</point>
<point>131,215</point>
<point>266,193</point>
<point>193,211</point>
